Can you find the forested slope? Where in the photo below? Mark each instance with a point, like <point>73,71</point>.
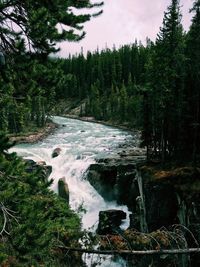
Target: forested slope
<point>153,87</point>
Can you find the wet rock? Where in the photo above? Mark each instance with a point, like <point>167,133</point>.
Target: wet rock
<point>103,181</point>
<point>113,179</point>
<point>110,221</point>
<point>79,157</point>
<point>48,170</point>
<point>63,189</point>
<point>30,164</point>
<point>56,152</point>
<point>41,167</point>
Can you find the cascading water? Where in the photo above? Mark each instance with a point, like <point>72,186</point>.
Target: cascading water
<point>80,143</point>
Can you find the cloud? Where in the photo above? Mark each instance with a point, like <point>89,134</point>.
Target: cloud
<point>122,22</point>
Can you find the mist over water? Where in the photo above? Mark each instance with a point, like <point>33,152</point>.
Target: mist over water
<point>81,143</point>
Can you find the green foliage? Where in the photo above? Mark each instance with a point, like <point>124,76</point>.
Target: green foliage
<point>35,24</point>
<point>28,78</point>
<point>33,221</point>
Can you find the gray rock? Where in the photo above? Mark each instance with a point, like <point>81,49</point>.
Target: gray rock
<point>56,152</point>
<point>63,189</point>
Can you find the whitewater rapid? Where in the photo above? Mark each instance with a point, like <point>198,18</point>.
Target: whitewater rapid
<point>81,144</point>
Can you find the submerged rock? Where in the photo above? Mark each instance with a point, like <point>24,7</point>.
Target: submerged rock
<point>56,152</point>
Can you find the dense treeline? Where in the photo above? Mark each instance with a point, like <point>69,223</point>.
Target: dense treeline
<point>155,87</point>
<point>111,81</point>
<point>172,122</point>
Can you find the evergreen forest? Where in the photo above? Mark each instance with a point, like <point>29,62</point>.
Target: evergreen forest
<point>153,87</point>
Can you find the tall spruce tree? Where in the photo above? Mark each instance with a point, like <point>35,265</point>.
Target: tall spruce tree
<point>167,82</point>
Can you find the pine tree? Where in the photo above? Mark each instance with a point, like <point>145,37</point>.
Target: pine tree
<point>38,23</point>
<point>95,106</point>
<point>168,80</point>
<point>123,102</point>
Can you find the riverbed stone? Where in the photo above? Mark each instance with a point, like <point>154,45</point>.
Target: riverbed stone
<point>56,152</point>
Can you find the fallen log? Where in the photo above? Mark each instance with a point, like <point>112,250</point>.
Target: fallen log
<point>132,252</point>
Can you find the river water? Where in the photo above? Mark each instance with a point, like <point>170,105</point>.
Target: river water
<point>81,143</point>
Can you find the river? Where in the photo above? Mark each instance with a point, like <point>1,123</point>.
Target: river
<point>81,143</point>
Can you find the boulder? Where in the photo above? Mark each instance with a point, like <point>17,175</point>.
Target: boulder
<point>110,221</point>
<point>114,179</point>
<point>32,166</point>
<point>56,152</point>
<point>63,189</point>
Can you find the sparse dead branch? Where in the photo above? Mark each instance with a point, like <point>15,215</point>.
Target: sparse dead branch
<point>7,214</point>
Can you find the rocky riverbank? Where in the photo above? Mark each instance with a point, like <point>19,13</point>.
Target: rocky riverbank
<point>107,123</point>
<point>75,110</point>
<point>33,137</point>
<point>164,206</point>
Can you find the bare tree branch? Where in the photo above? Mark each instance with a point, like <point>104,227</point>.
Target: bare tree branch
<point>7,214</point>
<point>132,252</point>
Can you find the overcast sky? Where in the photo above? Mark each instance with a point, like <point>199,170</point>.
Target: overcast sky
<point>122,22</point>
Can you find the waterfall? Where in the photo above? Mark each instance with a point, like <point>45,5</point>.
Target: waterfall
<point>81,143</point>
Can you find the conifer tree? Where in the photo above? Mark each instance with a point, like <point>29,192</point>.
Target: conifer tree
<point>95,107</point>
<point>123,103</point>
<point>36,23</point>
<point>168,77</point>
